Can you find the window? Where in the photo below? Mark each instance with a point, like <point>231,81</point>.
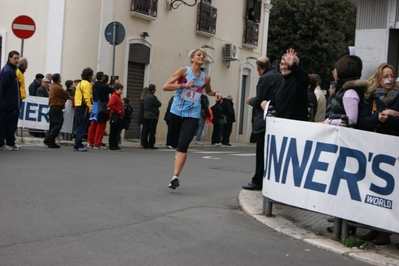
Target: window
<point>251,25</point>
<point>146,9</point>
<point>253,10</point>
<point>206,19</point>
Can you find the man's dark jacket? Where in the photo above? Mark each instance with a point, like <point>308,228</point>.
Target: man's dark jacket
<point>291,97</point>
<point>228,110</point>
<point>101,91</point>
<point>267,85</point>
<point>151,106</point>
<point>33,87</point>
<point>11,98</point>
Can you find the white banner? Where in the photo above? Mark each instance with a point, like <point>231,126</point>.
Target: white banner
<point>338,171</point>
<point>34,114</point>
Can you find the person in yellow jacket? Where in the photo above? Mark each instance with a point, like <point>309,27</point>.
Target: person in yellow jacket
<point>22,67</point>
<point>83,107</point>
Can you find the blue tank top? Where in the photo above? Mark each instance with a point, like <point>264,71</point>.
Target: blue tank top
<point>187,102</point>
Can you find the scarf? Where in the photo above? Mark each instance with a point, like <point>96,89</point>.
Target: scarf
<point>386,96</point>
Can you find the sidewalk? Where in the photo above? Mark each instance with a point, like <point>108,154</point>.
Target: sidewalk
<point>311,228</point>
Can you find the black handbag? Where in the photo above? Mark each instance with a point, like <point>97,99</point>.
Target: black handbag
<point>103,112</point>
<point>114,118</point>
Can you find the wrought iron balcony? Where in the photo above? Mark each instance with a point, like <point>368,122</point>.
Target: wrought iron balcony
<point>206,20</point>
<point>251,32</point>
<point>146,9</point>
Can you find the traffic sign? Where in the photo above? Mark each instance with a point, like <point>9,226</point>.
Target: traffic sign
<point>23,27</point>
<point>115,33</point>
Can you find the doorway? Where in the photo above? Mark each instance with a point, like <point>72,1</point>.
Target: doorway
<point>139,58</point>
<point>245,111</point>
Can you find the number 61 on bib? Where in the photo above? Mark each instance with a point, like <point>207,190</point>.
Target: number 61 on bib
<point>190,95</point>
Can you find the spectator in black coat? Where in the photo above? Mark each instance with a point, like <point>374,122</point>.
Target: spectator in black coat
<point>10,102</point>
<point>151,116</point>
<point>291,98</point>
<point>228,111</point>
<point>35,84</point>
<point>269,81</point>
<point>219,120</point>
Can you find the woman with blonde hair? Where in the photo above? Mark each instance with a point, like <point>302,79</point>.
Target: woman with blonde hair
<point>380,110</point>
<point>188,84</point>
<point>380,113</point>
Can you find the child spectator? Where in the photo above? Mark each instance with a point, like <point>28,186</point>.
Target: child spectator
<point>116,117</point>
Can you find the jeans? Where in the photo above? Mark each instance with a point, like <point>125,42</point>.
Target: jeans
<point>227,132</point>
<point>201,125</point>
<point>168,134</point>
<point>260,159</point>
<point>113,134</point>
<point>82,122</point>
<point>14,125</point>
<point>56,121</point>
<point>6,118</point>
<point>217,133</point>
<point>150,129</point>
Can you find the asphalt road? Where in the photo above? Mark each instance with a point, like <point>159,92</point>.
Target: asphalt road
<point>59,207</point>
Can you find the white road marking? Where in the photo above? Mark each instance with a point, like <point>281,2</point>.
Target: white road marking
<point>211,158</point>
<point>213,152</point>
<point>244,154</point>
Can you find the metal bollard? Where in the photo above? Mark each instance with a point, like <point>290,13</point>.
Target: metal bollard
<point>337,227</point>
<point>344,229</point>
<point>267,207</point>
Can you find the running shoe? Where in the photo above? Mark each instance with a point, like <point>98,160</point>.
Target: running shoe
<point>6,148</point>
<point>174,183</point>
<point>81,149</point>
<point>16,147</point>
<point>54,146</point>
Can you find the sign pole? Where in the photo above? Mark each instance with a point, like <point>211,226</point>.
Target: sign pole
<point>22,47</point>
<point>114,34</point>
<point>113,48</point>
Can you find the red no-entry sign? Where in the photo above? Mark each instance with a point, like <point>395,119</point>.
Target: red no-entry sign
<point>23,27</point>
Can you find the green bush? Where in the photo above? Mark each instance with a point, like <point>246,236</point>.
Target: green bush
<point>352,241</point>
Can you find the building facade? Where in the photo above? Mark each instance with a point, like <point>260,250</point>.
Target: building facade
<point>377,34</point>
<point>70,35</point>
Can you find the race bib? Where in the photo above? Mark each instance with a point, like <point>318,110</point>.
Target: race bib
<point>190,95</point>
